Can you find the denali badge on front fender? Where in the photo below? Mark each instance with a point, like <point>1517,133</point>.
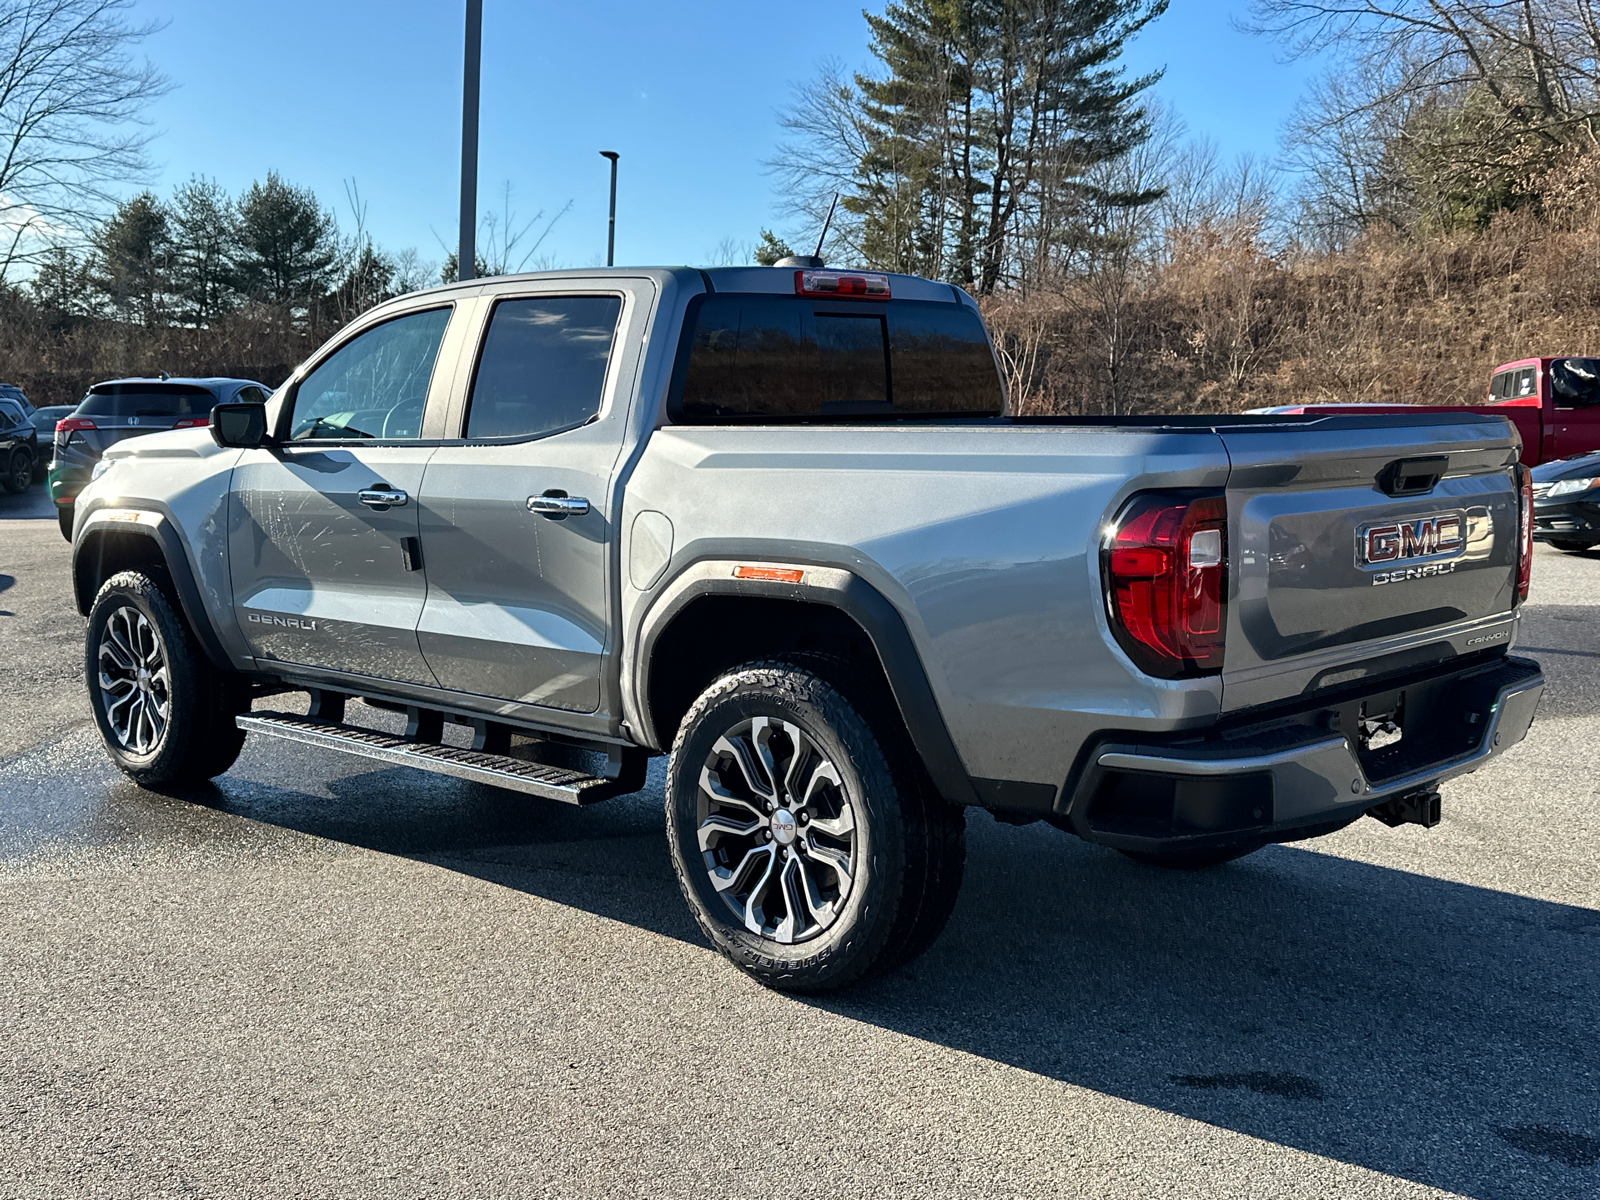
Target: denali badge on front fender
<point>282,622</point>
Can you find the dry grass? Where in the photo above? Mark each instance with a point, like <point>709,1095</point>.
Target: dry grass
<point>1224,324</point>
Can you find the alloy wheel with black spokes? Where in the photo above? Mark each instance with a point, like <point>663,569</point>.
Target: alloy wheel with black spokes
<point>776,829</point>
<point>135,684</point>
<point>803,838</point>
<point>164,710</point>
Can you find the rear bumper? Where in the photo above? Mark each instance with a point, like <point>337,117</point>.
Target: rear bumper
<point>65,482</point>
<point>1302,773</point>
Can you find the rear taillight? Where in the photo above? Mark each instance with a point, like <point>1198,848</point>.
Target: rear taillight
<point>191,423</point>
<point>1525,534</point>
<point>68,426</point>
<point>1166,574</point>
<point>860,285</point>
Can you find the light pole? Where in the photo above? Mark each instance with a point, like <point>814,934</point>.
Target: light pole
<point>611,227</point>
<point>466,249</point>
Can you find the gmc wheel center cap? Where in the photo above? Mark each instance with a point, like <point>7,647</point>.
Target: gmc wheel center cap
<point>784,827</point>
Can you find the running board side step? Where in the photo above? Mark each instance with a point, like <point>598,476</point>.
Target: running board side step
<point>500,770</point>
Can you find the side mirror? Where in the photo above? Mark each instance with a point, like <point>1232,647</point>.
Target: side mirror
<point>241,426</point>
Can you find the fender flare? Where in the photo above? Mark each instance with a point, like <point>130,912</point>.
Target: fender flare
<point>861,602</point>
<point>155,526</point>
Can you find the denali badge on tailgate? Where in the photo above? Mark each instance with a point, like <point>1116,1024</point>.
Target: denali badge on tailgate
<point>1439,537</point>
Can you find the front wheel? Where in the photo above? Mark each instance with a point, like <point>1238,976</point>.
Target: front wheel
<point>165,713</point>
<point>805,840</point>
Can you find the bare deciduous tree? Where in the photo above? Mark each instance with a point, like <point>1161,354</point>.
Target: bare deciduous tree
<point>1436,110</point>
<point>72,99</point>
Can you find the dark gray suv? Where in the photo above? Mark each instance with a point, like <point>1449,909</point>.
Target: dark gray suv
<point>124,408</point>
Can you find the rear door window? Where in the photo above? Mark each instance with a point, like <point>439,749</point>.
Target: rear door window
<point>543,366</point>
<point>768,358</point>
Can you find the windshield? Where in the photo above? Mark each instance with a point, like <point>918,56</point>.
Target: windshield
<point>147,400</point>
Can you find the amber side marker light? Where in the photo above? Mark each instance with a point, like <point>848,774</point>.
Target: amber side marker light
<point>770,574</point>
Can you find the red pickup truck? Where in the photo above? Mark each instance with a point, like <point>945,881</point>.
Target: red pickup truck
<point>1554,403</point>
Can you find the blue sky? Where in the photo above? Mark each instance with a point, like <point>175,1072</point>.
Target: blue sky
<point>336,90</point>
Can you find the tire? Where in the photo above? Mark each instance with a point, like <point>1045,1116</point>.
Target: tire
<point>1194,860</point>
<point>164,711</point>
<point>18,476</point>
<point>64,520</point>
<point>880,880</point>
<point>1570,546</point>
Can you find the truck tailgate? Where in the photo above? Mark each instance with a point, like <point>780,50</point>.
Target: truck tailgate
<point>1341,571</point>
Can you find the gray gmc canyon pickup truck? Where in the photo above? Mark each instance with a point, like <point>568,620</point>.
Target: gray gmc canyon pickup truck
<point>774,523</point>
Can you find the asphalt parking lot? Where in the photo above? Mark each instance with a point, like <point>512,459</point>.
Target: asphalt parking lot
<point>317,978</point>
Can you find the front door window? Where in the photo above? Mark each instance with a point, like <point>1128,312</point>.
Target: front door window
<point>374,386</point>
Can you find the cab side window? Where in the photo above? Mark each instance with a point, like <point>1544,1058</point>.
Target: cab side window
<point>543,366</point>
<point>1500,386</point>
<point>375,385</point>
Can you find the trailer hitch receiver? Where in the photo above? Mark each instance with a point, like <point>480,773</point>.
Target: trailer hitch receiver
<point>1414,808</point>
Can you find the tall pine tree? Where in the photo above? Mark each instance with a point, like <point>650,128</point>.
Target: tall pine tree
<point>972,148</point>
<point>133,252</point>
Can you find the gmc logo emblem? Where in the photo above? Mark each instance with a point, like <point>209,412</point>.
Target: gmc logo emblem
<point>1426,537</point>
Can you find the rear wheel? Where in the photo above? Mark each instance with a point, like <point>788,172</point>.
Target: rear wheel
<point>64,520</point>
<point>1194,860</point>
<point>165,712</point>
<point>18,476</point>
<point>1570,546</point>
<point>806,844</point>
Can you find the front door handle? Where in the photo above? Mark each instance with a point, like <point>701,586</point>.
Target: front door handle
<point>557,505</point>
<point>381,496</point>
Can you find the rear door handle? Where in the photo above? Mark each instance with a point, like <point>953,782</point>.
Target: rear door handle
<point>381,496</point>
<point>557,505</point>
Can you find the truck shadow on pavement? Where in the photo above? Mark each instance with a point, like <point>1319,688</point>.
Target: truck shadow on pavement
<point>1430,1030</point>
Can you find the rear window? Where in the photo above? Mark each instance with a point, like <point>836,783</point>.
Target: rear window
<point>147,400</point>
<point>775,358</point>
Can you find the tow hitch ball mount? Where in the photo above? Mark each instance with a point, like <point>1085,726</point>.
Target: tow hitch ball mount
<point>1414,808</point>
